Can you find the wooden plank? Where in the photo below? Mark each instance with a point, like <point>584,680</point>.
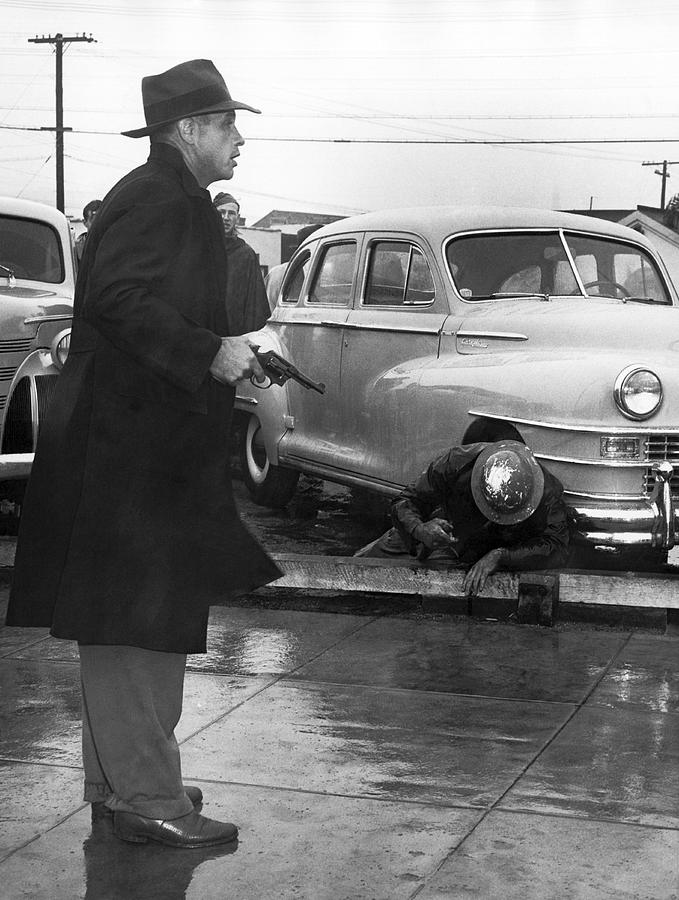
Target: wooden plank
<point>620,589</point>
<point>389,576</point>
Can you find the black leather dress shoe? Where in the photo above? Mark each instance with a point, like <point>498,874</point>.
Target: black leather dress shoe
<point>101,811</point>
<point>191,830</point>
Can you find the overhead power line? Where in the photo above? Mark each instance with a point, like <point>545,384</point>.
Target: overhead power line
<point>495,142</point>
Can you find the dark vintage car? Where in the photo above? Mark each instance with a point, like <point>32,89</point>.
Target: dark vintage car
<point>37,284</point>
<point>440,326</point>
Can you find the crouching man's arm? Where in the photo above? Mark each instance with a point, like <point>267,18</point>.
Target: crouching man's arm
<point>547,549</point>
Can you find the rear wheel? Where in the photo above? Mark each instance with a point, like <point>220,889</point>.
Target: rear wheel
<point>267,484</point>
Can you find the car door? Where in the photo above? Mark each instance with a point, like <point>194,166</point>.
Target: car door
<point>389,337</point>
<point>313,331</point>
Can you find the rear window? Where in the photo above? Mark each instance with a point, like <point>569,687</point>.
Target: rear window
<point>30,250</point>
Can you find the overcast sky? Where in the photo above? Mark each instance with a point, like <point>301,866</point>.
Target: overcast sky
<point>382,77</point>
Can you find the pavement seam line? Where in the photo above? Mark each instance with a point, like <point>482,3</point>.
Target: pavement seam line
<point>494,806</point>
<point>275,680</point>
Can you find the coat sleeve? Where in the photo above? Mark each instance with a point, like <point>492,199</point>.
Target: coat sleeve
<point>416,503</point>
<point>549,548</point>
<point>123,296</point>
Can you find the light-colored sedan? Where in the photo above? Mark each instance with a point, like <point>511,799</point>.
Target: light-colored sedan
<point>438,326</point>
<point>37,284</point>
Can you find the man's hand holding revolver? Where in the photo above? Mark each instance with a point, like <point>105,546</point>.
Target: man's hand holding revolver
<point>235,361</point>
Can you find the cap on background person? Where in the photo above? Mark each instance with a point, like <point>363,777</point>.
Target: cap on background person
<point>222,198</point>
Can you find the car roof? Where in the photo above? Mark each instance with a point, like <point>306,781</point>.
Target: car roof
<point>438,222</point>
<point>16,206</point>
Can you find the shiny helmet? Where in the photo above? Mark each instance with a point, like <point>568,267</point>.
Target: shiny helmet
<point>506,482</point>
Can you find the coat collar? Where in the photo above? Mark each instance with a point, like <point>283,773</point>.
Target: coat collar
<point>170,156</point>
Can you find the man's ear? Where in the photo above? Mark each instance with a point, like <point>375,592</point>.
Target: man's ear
<point>186,129</point>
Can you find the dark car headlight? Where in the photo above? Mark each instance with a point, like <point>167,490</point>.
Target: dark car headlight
<point>60,347</point>
<point>638,392</point>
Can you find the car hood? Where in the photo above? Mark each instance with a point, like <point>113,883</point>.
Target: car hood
<point>21,303</point>
<point>562,358</point>
<point>573,323</point>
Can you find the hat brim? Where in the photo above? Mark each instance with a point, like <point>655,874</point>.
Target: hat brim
<point>228,106</point>
<point>520,515</point>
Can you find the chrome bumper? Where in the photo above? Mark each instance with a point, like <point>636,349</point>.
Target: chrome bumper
<point>15,465</point>
<point>648,522</point>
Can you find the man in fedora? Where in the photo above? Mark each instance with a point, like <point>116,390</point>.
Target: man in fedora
<point>487,505</point>
<point>129,531</point>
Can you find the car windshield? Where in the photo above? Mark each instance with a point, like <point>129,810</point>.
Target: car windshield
<point>31,250</point>
<point>502,265</point>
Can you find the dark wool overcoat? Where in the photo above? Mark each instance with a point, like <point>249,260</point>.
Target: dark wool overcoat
<point>129,530</point>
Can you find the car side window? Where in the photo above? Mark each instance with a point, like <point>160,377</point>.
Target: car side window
<point>334,275</point>
<point>420,287</point>
<point>387,268</point>
<point>398,275</point>
<point>294,280</point>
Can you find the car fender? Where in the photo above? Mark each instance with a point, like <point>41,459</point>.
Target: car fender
<point>270,404</point>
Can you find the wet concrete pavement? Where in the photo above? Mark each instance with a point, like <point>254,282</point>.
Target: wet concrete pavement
<point>369,758</point>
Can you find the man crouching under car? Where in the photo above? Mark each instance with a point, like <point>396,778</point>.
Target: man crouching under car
<point>488,505</point>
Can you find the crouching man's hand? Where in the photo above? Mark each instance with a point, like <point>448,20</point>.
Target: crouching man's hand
<point>235,361</point>
<point>475,579</point>
<point>434,534</point>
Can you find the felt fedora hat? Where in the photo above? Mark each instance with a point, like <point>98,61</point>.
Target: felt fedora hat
<point>192,88</point>
<point>507,482</point>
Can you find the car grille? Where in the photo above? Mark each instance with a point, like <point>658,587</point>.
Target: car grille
<point>658,448</point>
<point>7,372</point>
<point>17,436</point>
<point>20,345</point>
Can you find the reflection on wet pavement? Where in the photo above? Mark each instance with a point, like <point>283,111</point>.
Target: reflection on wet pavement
<point>402,745</point>
<point>369,758</point>
<point>608,763</point>
<point>261,641</point>
<point>469,657</point>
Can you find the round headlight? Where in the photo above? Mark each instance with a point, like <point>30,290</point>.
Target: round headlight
<point>638,392</point>
<point>60,347</point>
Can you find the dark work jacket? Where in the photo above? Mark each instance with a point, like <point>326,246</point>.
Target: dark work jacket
<point>246,295</point>
<point>444,489</point>
<point>129,530</point>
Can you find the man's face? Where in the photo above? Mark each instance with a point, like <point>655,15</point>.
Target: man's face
<point>89,219</point>
<point>229,213</point>
<point>216,146</point>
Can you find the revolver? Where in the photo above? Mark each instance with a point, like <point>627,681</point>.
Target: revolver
<point>278,370</point>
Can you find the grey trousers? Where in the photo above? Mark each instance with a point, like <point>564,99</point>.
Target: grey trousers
<point>132,702</point>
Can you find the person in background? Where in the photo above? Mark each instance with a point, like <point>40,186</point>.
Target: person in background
<point>489,506</point>
<point>89,214</point>
<point>245,291</point>
<point>130,531</point>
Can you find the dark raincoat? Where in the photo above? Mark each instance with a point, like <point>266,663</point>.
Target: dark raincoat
<point>245,285</point>
<point>129,530</point>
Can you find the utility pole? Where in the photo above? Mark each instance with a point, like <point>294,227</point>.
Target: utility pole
<point>664,174</point>
<point>59,40</point>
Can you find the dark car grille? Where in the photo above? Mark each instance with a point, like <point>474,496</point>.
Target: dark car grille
<point>17,436</point>
<point>658,448</point>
